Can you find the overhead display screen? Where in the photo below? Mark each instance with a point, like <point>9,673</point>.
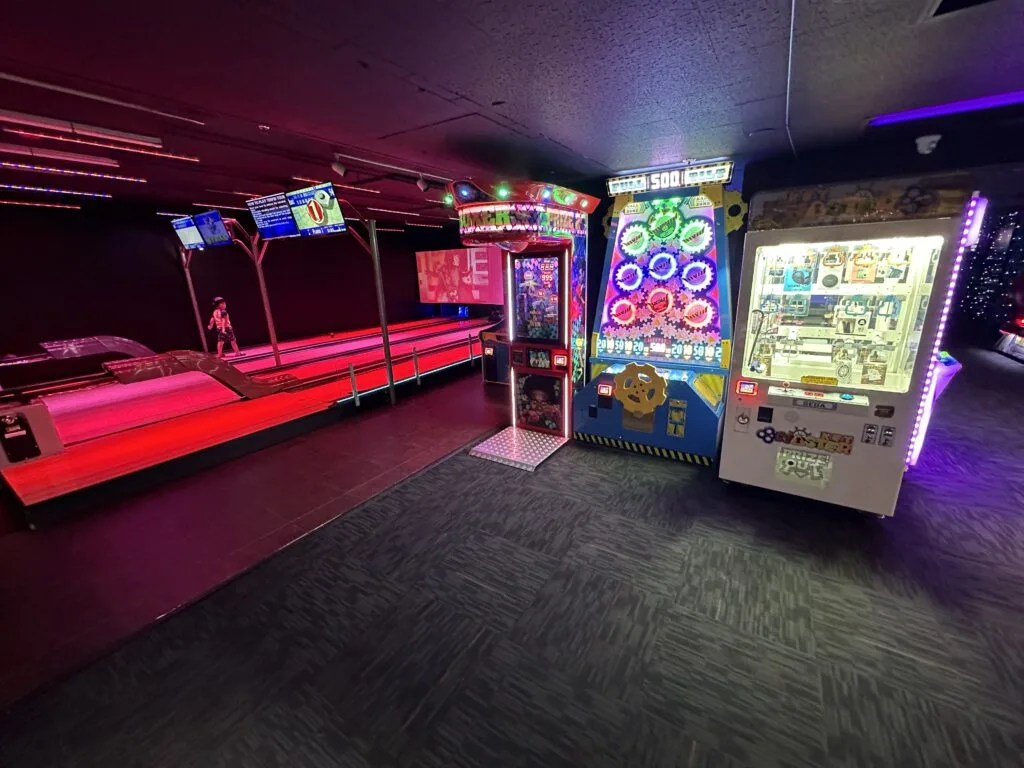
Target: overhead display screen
<point>316,210</point>
<point>186,231</point>
<point>273,216</point>
<point>211,228</point>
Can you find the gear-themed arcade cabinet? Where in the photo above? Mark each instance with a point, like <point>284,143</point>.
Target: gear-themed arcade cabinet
<point>660,347</point>
<point>843,303</point>
<point>542,229</point>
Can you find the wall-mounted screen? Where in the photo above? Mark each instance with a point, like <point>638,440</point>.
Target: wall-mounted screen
<point>461,276</point>
<point>273,216</point>
<point>211,227</point>
<point>186,231</point>
<point>536,286</point>
<point>316,210</point>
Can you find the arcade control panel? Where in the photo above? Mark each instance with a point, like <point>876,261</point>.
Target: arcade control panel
<point>811,429</point>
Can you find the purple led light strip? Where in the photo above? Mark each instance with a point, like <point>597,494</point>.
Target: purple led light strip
<point>950,108</point>
<point>924,407</point>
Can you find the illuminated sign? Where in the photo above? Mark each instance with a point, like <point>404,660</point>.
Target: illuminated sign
<point>561,361</point>
<point>746,388</point>
<point>521,218</point>
<point>604,390</point>
<point>825,381</point>
<point>689,176</point>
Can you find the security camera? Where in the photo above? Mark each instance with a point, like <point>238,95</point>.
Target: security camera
<point>338,168</point>
<point>927,144</point>
<point>422,184</point>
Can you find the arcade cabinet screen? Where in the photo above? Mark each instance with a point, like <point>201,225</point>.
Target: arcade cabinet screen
<point>536,294</point>
<point>273,216</point>
<point>460,276</point>
<point>211,227</point>
<point>186,231</point>
<point>661,299</point>
<point>316,210</point>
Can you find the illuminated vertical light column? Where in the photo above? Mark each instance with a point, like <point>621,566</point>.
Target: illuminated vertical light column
<point>566,311</point>
<point>509,309</point>
<point>924,407</point>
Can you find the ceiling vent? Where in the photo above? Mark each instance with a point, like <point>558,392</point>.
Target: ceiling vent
<point>943,7</point>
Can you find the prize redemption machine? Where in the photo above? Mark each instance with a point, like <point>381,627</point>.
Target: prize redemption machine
<point>542,230</point>
<point>660,347</point>
<point>843,303</point>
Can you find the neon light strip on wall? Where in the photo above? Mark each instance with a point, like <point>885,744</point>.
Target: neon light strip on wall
<point>41,205</point>
<point>927,402</point>
<point>103,145</point>
<point>951,108</point>
<point>67,172</point>
<point>54,191</point>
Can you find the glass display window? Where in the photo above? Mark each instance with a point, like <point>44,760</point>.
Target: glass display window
<point>840,313</point>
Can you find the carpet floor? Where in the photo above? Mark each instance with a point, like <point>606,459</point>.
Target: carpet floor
<point>607,610</point>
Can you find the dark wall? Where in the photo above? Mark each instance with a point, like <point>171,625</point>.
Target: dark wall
<point>116,272</point>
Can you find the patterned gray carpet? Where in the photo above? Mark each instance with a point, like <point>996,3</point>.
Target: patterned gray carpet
<point>608,610</point>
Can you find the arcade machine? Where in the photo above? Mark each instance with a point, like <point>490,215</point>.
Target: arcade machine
<point>843,304</point>
<point>660,347</point>
<point>542,230</point>
<point>1011,335</point>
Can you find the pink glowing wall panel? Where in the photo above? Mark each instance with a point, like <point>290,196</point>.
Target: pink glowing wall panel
<point>461,276</point>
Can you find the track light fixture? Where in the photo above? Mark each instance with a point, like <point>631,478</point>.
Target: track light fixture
<point>422,184</point>
<point>338,168</point>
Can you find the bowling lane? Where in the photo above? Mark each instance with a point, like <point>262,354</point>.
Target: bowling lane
<point>348,347</point>
<point>401,344</point>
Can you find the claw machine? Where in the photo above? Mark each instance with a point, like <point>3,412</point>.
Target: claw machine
<point>843,304</point>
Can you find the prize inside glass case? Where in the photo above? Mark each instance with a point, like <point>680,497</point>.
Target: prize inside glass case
<point>841,313</point>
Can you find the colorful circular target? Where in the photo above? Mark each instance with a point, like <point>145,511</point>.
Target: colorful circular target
<point>660,300</point>
<point>696,235</point>
<point>633,239</point>
<point>699,314</point>
<point>623,312</point>
<point>628,276</point>
<point>697,275</point>
<point>664,223</point>
<point>662,266</point>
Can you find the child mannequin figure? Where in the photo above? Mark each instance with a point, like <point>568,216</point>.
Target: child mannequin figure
<point>222,321</point>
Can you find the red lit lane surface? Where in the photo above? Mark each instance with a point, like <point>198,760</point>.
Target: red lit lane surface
<point>87,414</point>
<point>401,344</point>
<point>347,348</point>
<point>112,456</point>
<point>265,354</point>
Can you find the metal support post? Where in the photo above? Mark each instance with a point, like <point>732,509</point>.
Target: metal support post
<point>469,336</point>
<point>256,249</point>
<point>266,311</point>
<point>355,387</point>
<point>416,365</point>
<point>371,226</point>
<point>186,262</point>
